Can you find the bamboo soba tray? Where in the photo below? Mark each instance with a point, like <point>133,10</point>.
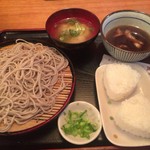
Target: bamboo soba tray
<point>62,99</point>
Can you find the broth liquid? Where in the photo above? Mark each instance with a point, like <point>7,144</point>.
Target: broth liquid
<point>129,38</point>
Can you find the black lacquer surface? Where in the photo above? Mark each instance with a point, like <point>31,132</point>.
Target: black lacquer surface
<point>85,63</point>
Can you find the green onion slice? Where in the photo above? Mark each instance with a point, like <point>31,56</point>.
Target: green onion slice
<point>78,124</point>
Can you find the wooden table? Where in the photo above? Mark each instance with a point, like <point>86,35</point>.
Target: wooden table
<point>28,14</point>
<point>32,14</point>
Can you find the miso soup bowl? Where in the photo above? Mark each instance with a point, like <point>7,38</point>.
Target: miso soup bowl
<point>72,13</point>
<point>127,18</point>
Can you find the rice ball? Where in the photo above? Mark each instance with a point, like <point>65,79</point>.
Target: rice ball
<point>133,116</point>
<point>120,80</point>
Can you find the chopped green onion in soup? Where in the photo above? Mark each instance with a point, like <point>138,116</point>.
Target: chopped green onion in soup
<point>73,30</point>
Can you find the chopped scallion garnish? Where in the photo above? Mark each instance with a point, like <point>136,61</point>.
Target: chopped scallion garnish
<point>77,123</point>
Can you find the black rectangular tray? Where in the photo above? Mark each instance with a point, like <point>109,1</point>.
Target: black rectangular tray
<point>85,64</point>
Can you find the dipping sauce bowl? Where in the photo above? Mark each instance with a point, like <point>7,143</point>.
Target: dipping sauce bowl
<point>126,35</point>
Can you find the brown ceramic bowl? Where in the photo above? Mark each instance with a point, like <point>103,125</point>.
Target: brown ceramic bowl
<point>77,13</point>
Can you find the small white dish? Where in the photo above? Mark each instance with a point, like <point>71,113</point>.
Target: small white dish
<point>93,116</point>
<point>108,109</point>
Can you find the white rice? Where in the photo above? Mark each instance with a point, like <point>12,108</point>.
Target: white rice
<point>120,80</point>
<point>133,116</point>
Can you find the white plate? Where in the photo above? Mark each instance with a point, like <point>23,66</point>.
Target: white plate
<point>108,109</point>
<point>93,116</point>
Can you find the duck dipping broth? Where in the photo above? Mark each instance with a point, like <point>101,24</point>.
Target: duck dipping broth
<point>129,38</point>
<point>73,30</point>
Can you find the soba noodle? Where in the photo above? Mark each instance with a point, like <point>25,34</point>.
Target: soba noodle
<point>28,74</point>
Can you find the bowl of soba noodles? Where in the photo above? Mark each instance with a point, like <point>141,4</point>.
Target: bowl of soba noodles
<point>72,28</point>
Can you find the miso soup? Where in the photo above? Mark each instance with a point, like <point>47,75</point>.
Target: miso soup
<point>129,38</point>
<point>73,30</point>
